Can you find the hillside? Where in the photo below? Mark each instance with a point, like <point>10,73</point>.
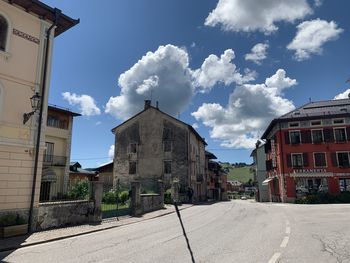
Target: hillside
<point>241,174</point>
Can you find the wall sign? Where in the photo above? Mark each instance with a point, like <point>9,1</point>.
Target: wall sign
<point>309,171</point>
<point>26,36</point>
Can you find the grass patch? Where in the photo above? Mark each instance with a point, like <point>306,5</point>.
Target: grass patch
<point>242,174</point>
<point>110,210</point>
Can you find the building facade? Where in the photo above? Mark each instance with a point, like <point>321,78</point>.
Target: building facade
<point>56,159</point>
<point>27,31</point>
<point>259,157</point>
<point>307,151</point>
<point>153,146</point>
<point>216,179</point>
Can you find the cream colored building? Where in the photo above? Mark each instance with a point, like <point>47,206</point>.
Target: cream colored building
<point>25,65</point>
<point>56,160</point>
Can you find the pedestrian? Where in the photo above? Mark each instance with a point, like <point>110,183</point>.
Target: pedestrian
<point>189,194</point>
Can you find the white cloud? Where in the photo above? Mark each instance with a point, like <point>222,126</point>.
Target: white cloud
<point>195,125</point>
<point>310,37</point>
<point>344,95</point>
<point>318,3</point>
<point>98,123</point>
<point>219,70</point>
<point>252,15</point>
<point>193,44</point>
<point>86,103</point>
<point>250,109</point>
<point>258,53</point>
<point>164,73</point>
<point>111,152</point>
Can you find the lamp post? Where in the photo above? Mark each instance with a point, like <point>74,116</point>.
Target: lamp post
<point>35,102</point>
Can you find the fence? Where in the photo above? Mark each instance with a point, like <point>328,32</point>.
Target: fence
<point>56,191</point>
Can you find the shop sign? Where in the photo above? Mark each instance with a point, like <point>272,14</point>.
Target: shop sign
<point>309,171</point>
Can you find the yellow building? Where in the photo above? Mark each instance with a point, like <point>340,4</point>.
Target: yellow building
<point>58,138</point>
<point>27,31</point>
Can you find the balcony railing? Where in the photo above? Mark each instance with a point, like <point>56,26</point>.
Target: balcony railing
<point>54,160</point>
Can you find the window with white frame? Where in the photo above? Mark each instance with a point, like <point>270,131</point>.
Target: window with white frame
<point>340,134</point>
<point>297,160</point>
<point>4,27</point>
<point>316,123</point>
<point>320,160</point>
<point>338,121</point>
<point>343,159</point>
<point>317,136</point>
<point>294,124</point>
<point>295,137</point>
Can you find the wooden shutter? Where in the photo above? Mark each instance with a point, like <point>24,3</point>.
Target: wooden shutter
<point>305,160</point>
<point>334,159</point>
<point>286,137</point>
<point>328,135</point>
<point>289,160</point>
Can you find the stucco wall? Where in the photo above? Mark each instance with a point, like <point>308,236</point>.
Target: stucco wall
<point>58,214</point>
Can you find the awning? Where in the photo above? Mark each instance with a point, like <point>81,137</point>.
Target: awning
<point>311,175</point>
<point>266,181</point>
<point>48,175</point>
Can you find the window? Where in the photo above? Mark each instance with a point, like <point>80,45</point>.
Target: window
<point>320,159</point>
<point>133,147</point>
<point>343,159</point>
<point>56,122</point>
<point>132,167</point>
<point>294,137</point>
<point>167,146</point>
<point>48,154</point>
<point>297,160</point>
<point>167,167</point>
<point>315,123</point>
<point>317,136</point>
<point>340,134</point>
<point>338,121</point>
<point>294,124</point>
<point>3,33</point>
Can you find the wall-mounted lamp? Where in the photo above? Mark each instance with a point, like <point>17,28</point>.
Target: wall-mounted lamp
<point>35,102</point>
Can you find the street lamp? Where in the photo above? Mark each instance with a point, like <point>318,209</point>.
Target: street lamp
<point>35,102</point>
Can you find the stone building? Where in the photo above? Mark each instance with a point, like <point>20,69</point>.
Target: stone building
<point>27,32</point>
<point>153,145</point>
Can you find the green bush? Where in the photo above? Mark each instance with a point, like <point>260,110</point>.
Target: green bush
<point>109,197</point>
<point>80,190</point>
<point>123,196</point>
<point>11,220</point>
<point>324,198</point>
<point>167,197</point>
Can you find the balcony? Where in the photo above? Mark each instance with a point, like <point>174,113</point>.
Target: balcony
<point>54,160</point>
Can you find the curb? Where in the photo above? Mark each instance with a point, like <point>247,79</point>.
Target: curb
<point>83,233</point>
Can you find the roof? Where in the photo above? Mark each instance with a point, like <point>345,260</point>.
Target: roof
<point>314,110</point>
<point>151,107</point>
<point>101,167</point>
<point>210,155</point>
<point>63,110</point>
<point>46,12</point>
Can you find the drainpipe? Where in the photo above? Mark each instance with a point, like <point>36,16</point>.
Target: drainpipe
<point>43,91</point>
<point>282,156</point>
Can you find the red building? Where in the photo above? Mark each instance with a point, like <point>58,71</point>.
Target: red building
<point>307,151</point>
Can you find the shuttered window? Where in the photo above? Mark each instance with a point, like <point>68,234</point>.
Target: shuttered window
<point>343,159</point>
<point>340,134</point>
<point>295,137</point>
<point>317,136</point>
<point>320,159</point>
<point>297,160</point>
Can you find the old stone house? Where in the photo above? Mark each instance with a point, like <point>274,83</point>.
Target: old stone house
<point>153,145</point>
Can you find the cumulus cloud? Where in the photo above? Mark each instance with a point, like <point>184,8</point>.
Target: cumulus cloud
<point>344,95</point>
<point>195,125</point>
<point>310,37</point>
<point>85,103</point>
<point>111,152</point>
<point>318,3</point>
<point>241,122</point>
<point>163,75</point>
<point>219,70</point>
<point>252,15</point>
<point>258,53</point>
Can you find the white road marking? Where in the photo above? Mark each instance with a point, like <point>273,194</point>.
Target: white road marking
<point>284,241</point>
<point>288,230</point>
<point>274,258</point>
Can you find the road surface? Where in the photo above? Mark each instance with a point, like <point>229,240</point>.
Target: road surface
<point>236,231</point>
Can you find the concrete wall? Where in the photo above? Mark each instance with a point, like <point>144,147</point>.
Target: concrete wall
<point>59,214</point>
<point>151,202</point>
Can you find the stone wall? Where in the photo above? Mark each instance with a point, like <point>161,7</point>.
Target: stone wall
<point>59,214</point>
<point>151,202</point>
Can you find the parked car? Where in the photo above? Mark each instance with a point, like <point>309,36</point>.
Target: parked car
<point>243,197</point>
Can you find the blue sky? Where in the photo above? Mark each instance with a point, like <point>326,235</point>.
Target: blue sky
<point>193,59</point>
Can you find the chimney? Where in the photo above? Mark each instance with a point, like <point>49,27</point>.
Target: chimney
<point>147,104</point>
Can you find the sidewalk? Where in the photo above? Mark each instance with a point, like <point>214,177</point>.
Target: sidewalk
<point>62,233</point>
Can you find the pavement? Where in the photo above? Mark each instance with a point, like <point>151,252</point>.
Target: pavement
<point>73,231</point>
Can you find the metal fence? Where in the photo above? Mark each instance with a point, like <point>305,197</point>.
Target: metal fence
<point>57,191</point>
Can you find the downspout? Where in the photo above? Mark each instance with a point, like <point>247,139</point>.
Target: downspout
<point>282,157</point>
<point>43,91</point>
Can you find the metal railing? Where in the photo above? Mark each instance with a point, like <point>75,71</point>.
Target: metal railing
<point>54,160</point>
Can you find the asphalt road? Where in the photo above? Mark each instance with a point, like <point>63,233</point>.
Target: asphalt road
<point>237,231</point>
